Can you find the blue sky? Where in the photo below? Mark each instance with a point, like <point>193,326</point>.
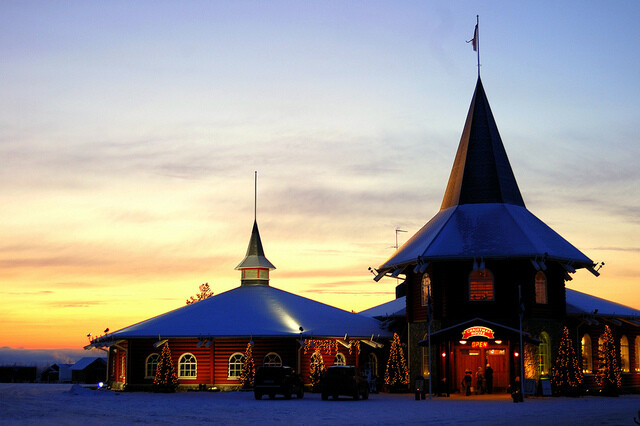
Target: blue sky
<point>129,134</point>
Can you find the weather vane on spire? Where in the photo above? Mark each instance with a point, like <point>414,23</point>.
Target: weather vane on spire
<point>475,42</point>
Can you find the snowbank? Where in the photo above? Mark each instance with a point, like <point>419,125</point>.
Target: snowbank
<point>66,404</point>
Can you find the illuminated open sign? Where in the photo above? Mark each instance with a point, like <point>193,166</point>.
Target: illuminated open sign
<point>477,332</point>
<point>479,345</point>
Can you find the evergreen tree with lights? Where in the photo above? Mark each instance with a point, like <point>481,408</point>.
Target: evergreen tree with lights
<point>566,373</point>
<point>316,368</point>
<point>397,373</point>
<point>166,379</point>
<point>609,376</point>
<point>247,374</point>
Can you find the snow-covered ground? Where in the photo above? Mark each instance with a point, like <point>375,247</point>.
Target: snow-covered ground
<point>72,404</point>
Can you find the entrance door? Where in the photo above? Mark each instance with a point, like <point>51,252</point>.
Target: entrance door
<point>471,359</point>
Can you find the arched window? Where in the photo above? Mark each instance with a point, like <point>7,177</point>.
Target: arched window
<point>235,365</point>
<point>541,288</point>
<point>587,355</point>
<point>340,359</point>
<point>123,367</point>
<point>544,354</point>
<point>151,364</point>
<point>481,285</point>
<point>624,354</point>
<point>272,359</point>
<point>425,359</point>
<point>426,289</point>
<point>187,366</point>
<point>372,364</point>
<point>637,354</point>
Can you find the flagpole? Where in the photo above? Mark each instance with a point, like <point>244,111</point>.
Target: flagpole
<point>477,36</point>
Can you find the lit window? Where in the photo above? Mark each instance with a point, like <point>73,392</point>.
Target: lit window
<point>541,288</point>
<point>587,355</point>
<point>426,289</point>
<point>481,285</point>
<point>372,364</point>
<point>187,366</point>
<point>544,354</point>
<point>123,367</point>
<point>637,354</point>
<point>151,365</point>
<point>235,365</point>
<point>272,359</point>
<point>340,359</point>
<point>425,359</point>
<point>624,354</point>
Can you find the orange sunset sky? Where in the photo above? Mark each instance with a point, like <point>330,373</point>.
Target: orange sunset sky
<point>130,134</point>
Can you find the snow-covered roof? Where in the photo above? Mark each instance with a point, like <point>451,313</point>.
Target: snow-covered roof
<point>485,230</point>
<point>394,308</point>
<point>581,303</point>
<point>87,361</point>
<point>258,311</point>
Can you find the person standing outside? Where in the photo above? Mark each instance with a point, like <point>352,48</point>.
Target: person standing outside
<point>479,381</point>
<point>488,376</point>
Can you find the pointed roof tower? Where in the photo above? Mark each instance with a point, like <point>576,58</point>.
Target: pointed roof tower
<point>255,266</point>
<point>481,172</point>
<point>482,215</point>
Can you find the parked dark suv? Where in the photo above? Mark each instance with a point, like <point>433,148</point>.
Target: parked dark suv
<point>277,380</point>
<point>344,380</point>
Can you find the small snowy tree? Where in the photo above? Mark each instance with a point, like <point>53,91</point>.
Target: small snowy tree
<point>566,373</point>
<point>165,379</point>
<point>608,375</point>
<point>316,368</point>
<point>397,372</point>
<point>205,293</point>
<point>247,374</point>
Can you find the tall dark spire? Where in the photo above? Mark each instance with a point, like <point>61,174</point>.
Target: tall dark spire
<point>481,172</point>
<point>255,266</point>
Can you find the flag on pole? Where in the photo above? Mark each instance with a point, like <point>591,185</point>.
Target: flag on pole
<point>474,40</point>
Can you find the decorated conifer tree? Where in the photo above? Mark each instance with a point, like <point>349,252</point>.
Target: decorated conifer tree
<point>165,379</point>
<point>316,368</point>
<point>566,373</point>
<point>397,372</point>
<point>247,374</point>
<point>608,375</point>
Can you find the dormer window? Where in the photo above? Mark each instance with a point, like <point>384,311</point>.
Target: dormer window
<point>481,286</point>
<point>541,288</point>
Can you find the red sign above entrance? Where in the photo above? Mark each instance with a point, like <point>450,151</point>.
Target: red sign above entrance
<point>477,332</point>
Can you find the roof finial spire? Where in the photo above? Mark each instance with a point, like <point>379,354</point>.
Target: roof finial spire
<point>475,42</point>
<point>255,195</point>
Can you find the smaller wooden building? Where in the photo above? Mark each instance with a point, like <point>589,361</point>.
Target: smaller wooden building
<point>208,338</point>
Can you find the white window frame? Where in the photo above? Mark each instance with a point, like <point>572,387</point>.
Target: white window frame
<point>185,362</point>
<point>340,359</point>
<point>151,363</point>
<point>625,365</point>
<point>236,361</point>
<point>587,354</point>
<point>372,364</point>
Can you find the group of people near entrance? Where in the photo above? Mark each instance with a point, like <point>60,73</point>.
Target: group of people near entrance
<point>484,381</point>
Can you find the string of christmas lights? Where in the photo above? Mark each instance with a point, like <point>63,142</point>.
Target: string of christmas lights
<point>397,372</point>
<point>165,379</point>
<point>247,374</point>
<point>609,375</point>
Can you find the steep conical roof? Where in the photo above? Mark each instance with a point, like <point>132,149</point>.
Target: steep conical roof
<point>255,257</point>
<point>483,214</point>
<point>481,172</point>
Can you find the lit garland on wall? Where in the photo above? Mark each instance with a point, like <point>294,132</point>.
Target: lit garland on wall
<point>326,347</point>
<point>397,372</point>
<point>609,375</point>
<point>329,346</point>
<point>247,374</point>
<point>165,379</point>
<point>566,373</point>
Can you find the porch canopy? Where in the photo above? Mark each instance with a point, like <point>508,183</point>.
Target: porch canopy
<point>478,329</point>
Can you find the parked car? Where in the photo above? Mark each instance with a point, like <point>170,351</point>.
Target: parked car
<point>344,380</point>
<point>274,381</point>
